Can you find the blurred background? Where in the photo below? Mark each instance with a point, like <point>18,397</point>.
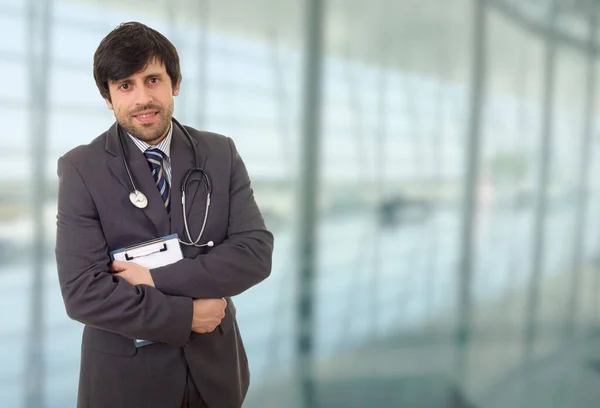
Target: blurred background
<point>429,170</point>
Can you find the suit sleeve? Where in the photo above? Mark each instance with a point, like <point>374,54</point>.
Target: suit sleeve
<point>94,296</point>
<point>241,261</point>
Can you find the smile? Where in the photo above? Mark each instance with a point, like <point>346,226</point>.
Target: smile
<point>146,117</point>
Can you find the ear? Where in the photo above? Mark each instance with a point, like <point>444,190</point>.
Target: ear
<point>176,89</point>
<point>108,104</point>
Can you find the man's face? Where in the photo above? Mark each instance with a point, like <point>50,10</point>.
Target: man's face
<point>143,102</point>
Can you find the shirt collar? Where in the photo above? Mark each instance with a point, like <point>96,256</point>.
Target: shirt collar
<point>164,145</point>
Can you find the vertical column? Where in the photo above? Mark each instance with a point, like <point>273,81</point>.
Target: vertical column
<point>584,168</point>
<point>310,128</point>
<point>202,64</point>
<point>383,50</point>
<point>542,184</point>
<point>38,62</point>
<point>465,266</point>
<point>172,35</point>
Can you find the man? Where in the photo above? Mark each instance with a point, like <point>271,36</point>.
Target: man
<point>196,358</point>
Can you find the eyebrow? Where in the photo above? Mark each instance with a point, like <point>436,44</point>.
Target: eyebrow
<point>146,77</point>
<point>152,75</point>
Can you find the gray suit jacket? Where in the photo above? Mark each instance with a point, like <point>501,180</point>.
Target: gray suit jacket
<point>95,216</point>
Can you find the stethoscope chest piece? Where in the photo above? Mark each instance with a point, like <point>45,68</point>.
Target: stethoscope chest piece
<point>138,199</point>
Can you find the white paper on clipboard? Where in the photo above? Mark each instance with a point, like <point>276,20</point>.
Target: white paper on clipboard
<point>150,254</point>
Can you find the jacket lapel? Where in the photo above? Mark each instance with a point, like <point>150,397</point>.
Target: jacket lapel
<point>183,160</point>
<point>142,177</point>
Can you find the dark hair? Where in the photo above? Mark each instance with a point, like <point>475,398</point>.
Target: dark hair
<point>128,49</point>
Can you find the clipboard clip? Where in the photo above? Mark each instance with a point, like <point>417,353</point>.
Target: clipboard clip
<point>146,244</point>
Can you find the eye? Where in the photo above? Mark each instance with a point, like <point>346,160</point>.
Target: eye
<point>153,80</point>
<point>124,86</point>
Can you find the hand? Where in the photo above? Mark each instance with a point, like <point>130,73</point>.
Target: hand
<point>132,273</point>
<point>208,314</point>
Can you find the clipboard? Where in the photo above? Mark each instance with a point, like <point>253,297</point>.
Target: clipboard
<point>150,254</point>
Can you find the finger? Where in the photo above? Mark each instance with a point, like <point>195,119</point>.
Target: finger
<point>118,266</point>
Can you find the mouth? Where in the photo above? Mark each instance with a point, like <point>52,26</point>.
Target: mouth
<point>146,116</point>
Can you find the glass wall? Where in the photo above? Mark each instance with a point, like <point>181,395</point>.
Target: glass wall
<point>456,197</point>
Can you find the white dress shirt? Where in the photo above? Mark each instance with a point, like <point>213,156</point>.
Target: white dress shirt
<point>164,146</point>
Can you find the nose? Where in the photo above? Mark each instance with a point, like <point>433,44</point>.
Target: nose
<point>142,96</point>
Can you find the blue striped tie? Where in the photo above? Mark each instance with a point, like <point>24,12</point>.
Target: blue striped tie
<point>155,159</point>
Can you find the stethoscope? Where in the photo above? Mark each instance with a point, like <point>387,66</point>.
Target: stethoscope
<point>140,200</point>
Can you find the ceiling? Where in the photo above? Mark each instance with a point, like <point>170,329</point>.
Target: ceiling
<point>433,38</point>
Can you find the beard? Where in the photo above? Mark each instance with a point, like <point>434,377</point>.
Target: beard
<point>147,132</point>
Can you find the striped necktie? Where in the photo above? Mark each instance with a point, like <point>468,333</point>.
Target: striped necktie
<point>155,159</point>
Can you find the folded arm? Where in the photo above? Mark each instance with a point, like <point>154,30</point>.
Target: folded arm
<point>241,261</point>
<point>92,295</point>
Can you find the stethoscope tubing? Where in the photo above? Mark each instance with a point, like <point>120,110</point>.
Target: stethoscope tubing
<point>206,181</point>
